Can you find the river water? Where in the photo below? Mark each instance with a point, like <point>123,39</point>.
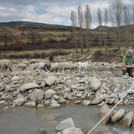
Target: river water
<point>26,120</point>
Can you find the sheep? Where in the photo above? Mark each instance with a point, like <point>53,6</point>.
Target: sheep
<point>83,65</point>
<point>5,65</point>
<point>62,66</point>
<point>54,67</point>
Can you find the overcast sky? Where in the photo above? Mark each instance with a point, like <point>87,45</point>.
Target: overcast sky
<point>51,11</point>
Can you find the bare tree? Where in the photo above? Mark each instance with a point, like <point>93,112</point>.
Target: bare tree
<point>88,20</point>
<point>116,10</point>
<point>127,21</point>
<point>112,20</point>
<point>6,36</point>
<point>106,22</point>
<point>100,25</point>
<point>73,18</point>
<point>133,26</point>
<point>80,20</point>
<point>118,13</point>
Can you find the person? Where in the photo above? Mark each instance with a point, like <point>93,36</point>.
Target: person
<point>51,58</point>
<point>127,63</point>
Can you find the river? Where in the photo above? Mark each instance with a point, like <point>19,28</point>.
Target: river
<point>26,120</point>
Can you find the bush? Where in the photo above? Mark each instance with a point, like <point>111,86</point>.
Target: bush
<point>18,44</point>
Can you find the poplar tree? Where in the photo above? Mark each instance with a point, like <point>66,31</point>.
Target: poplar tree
<point>88,20</point>
<point>106,22</point>
<point>80,21</point>
<point>73,18</point>
<point>100,25</point>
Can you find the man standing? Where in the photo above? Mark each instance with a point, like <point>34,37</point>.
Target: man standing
<point>51,58</point>
<point>128,61</point>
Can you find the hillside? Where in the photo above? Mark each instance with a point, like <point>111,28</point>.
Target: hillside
<point>26,24</point>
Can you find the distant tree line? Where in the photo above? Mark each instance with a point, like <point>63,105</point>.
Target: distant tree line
<point>115,16</point>
<point>8,37</point>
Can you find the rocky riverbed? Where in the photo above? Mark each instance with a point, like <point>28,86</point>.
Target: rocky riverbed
<point>29,85</point>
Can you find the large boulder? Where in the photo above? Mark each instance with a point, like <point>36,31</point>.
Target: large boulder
<point>51,80</point>
<point>99,99</point>
<point>118,115</point>
<point>37,95</point>
<point>19,101</point>
<point>28,86</point>
<point>103,111</point>
<point>127,120</point>
<point>95,83</point>
<point>49,93</point>
<point>71,130</point>
<point>67,123</point>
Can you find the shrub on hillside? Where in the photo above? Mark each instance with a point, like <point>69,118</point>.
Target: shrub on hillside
<point>18,44</point>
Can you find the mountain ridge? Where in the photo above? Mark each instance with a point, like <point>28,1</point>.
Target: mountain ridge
<point>32,25</point>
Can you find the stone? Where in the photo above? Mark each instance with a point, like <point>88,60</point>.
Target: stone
<point>71,130</point>
<point>117,116</point>
<point>99,99</point>
<point>19,101</point>
<point>2,86</point>
<point>40,106</point>
<point>42,131</point>
<point>54,104</point>
<point>37,95</point>
<point>28,86</point>
<point>31,104</point>
<point>127,120</point>
<point>15,78</point>
<point>61,100</point>
<point>103,86</point>
<point>56,97</point>
<point>49,93</point>
<point>79,95</point>
<point>86,102</point>
<point>67,123</point>
<point>103,111</point>
<point>121,95</point>
<point>51,80</point>
<point>95,83</point>
<point>8,88</point>
<point>15,93</point>
<point>78,102</point>
<point>111,101</point>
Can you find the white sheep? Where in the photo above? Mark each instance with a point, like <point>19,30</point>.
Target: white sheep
<point>54,67</point>
<point>84,65</point>
<point>61,66</point>
<point>5,65</point>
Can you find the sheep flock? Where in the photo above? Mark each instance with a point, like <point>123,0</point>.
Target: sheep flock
<point>6,65</point>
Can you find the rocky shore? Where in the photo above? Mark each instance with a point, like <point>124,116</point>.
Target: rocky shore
<point>30,85</point>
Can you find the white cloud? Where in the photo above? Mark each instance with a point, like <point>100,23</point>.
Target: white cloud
<point>57,11</point>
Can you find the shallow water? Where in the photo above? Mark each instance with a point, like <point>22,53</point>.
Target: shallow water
<point>26,120</point>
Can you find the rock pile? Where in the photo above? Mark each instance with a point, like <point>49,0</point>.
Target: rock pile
<point>125,118</point>
<point>29,85</point>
